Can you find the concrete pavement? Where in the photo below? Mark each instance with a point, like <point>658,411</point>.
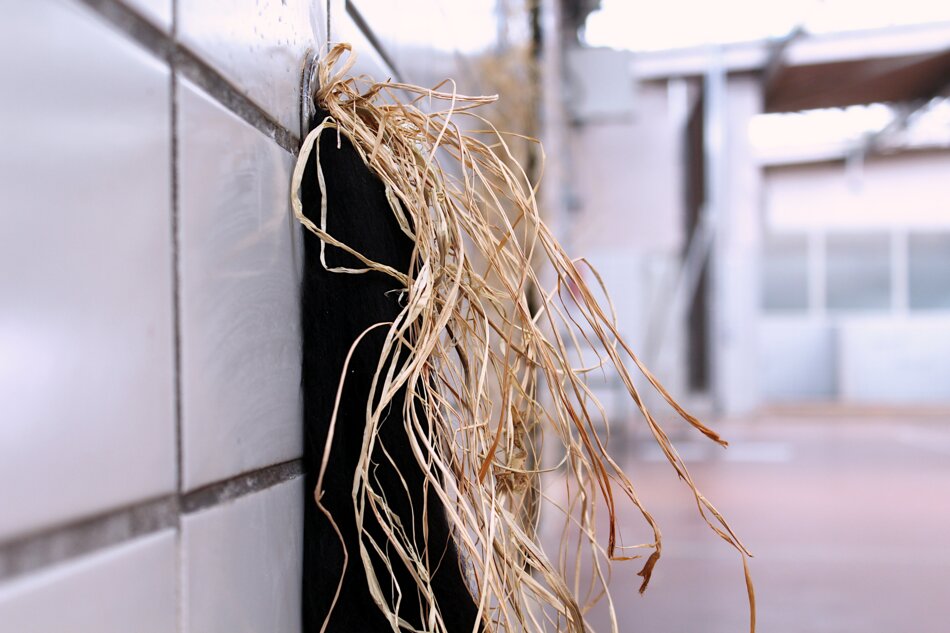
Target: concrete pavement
<point>847,514</point>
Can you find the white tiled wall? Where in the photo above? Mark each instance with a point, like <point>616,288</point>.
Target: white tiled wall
<point>127,587</point>
<point>240,340</point>
<point>242,563</point>
<point>259,46</point>
<point>149,324</point>
<point>86,317</point>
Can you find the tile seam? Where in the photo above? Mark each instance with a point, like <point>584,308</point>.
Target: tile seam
<point>190,65</point>
<point>37,551</point>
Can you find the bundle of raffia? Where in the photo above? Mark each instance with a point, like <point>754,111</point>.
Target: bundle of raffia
<point>491,374</point>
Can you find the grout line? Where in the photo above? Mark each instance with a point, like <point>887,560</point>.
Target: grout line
<point>176,278</point>
<point>134,25</point>
<point>205,77</point>
<point>254,481</point>
<point>190,65</point>
<point>180,569</point>
<point>42,549</point>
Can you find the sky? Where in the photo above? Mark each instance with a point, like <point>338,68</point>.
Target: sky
<point>650,25</point>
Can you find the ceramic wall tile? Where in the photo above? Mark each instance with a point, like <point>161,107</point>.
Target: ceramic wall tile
<point>128,587</point>
<point>87,395</point>
<point>260,47</point>
<point>240,317</point>
<point>242,563</point>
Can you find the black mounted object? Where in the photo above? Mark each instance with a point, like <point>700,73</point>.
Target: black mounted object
<point>336,309</point>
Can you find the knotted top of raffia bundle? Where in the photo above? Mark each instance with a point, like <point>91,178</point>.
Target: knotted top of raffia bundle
<point>497,374</point>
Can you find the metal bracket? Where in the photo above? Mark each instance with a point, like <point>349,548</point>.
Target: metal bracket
<point>308,87</point>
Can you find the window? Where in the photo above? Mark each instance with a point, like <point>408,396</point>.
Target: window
<point>858,272</point>
<point>785,273</point>
<point>929,270</point>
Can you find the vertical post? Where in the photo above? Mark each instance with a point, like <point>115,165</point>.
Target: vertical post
<point>734,195</point>
<point>900,292</point>
<point>817,308</point>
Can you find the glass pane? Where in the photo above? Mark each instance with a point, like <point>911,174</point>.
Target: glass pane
<point>929,269</point>
<point>785,273</point>
<point>858,272</point>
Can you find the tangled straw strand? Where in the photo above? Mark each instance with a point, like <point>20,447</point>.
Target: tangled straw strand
<point>490,378</point>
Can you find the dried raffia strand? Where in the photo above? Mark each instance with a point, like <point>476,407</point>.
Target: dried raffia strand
<point>486,372</point>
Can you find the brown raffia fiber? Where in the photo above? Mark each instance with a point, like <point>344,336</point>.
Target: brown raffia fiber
<point>494,377</point>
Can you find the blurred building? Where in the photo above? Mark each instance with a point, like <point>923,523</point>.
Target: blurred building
<point>773,217</point>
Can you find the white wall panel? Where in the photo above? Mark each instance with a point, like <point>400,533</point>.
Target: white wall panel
<point>628,182</point>
<point>242,563</point>
<point>909,190</point>
<point>86,345</point>
<point>240,316</point>
<point>260,47</point>
<point>128,587</point>
<point>797,360</point>
<point>895,361</point>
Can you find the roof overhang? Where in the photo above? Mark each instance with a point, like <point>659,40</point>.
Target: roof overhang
<point>819,71</point>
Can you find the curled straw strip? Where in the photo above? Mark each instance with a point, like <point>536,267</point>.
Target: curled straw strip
<point>492,376</point>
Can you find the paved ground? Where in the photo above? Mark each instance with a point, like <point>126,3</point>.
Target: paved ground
<point>848,516</point>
